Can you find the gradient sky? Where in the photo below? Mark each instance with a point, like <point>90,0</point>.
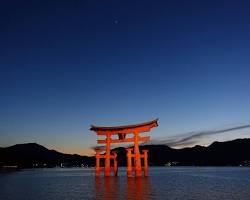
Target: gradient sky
<point>67,64</point>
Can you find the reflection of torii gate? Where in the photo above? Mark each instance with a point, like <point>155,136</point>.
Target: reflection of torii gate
<point>121,132</point>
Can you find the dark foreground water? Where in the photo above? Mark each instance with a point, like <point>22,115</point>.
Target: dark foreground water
<point>163,183</point>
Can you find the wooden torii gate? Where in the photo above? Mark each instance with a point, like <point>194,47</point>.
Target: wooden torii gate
<point>121,132</point>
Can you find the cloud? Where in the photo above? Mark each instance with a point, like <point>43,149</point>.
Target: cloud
<point>192,138</point>
<point>101,148</point>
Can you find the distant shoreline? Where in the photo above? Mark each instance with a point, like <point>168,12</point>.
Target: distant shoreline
<point>230,153</point>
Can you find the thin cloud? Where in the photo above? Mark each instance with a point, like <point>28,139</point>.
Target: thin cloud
<point>101,148</point>
<point>192,138</point>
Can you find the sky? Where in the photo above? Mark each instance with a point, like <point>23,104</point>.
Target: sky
<point>65,65</point>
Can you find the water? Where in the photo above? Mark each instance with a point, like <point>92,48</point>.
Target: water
<point>186,183</point>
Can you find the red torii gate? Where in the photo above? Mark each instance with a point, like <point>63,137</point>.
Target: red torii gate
<point>122,131</point>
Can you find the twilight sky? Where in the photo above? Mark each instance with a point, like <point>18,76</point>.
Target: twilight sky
<point>67,64</point>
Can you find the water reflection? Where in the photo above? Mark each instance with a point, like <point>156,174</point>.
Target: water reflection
<point>122,188</point>
<point>138,188</point>
<point>107,188</point>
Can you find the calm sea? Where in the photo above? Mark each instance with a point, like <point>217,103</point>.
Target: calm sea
<point>163,183</point>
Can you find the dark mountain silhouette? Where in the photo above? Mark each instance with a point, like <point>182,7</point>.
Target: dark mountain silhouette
<point>230,153</point>
<point>35,155</point>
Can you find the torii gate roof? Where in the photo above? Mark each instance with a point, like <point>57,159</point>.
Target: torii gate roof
<point>125,129</point>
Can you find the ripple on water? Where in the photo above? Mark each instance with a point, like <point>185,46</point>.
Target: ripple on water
<point>164,183</point>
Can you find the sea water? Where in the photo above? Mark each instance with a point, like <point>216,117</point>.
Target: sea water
<point>163,183</point>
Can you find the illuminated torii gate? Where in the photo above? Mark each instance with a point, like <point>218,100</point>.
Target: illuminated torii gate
<point>121,132</point>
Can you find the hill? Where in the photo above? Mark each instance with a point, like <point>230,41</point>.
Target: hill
<point>35,155</point>
<point>230,153</point>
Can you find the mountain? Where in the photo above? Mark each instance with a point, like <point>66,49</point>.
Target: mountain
<point>35,155</point>
<point>230,153</point>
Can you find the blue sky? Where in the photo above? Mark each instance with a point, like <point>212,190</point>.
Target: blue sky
<point>67,64</point>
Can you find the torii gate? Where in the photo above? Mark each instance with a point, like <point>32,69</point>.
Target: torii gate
<point>121,132</point>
